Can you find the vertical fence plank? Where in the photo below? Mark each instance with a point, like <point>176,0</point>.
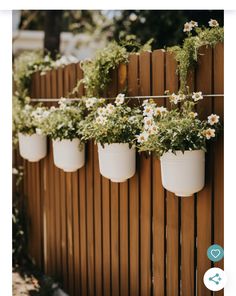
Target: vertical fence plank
<point>133,88</point>
<point>68,176</point>
<point>56,197</point>
<point>219,154</point>
<point>90,217</point>
<point>158,202</point>
<point>114,200</point>
<point>106,236</point>
<point>145,188</point>
<point>82,211</point>
<point>204,198</point>
<point>98,225</point>
<point>62,196</point>
<point>172,207</point>
<point>124,202</point>
<point>188,233</point>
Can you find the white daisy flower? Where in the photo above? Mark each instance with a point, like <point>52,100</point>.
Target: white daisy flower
<point>181,97</point>
<point>142,137</point>
<point>120,99</point>
<point>213,23</point>
<point>194,24</point>
<point>148,121</point>
<point>174,98</point>
<point>213,118</point>
<point>101,111</point>
<point>145,102</point>
<point>197,96</point>
<point>90,102</point>
<point>188,27</point>
<point>110,108</point>
<point>152,129</point>
<point>148,111</point>
<point>209,133</point>
<point>101,120</point>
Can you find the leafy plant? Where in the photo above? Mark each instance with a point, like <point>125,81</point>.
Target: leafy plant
<point>176,129</point>
<point>111,122</point>
<point>97,71</point>
<point>187,54</point>
<point>63,122</point>
<point>28,119</point>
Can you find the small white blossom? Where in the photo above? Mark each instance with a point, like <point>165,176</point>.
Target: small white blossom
<point>197,96</point>
<point>145,102</point>
<point>213,118</point>
<point>90,102</point>
<point>120,99</point>
<point>209,133</point>
<point>213,23</point>
<point>152,129</point>
<point>181,97</point>
<point>101,120</point>
<point>194,24</point>
<point>174,98</point>
<point>148,121</point>
<point>148,111</point>
<point>188,27</point>
<point>142,137</point>
<point>110,108</point>
<point>160,110</point>
<point>101,111</point>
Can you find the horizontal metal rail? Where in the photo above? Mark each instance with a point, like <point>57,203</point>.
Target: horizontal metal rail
<point>134,97</point>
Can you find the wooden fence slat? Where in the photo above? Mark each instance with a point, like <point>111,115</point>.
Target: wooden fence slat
<point>124,209</point>
<point>62,197</point>
<point>56,198</point>
<point>188,232</point>
<point>98,225</point>
<point>133,88</point>
<point>69,203</point>
<point>204,198</point>
<point>145,189</point>
<point>90,217</point>
<point>172,206</point>
<point>106,237</point>
<point>158,202</point>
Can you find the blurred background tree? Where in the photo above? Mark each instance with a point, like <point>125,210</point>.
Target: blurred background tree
<point>164,26</point>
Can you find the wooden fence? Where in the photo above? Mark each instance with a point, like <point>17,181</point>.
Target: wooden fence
<point>133,238</point>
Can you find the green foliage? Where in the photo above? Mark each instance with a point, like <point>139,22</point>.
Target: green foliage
<point>97,71</point>
<point>177,129</point>
<point>111,123</point>
<point>63,122</point>
<point>25,65</point>
<point>187,54</point>
<point>27,119</point>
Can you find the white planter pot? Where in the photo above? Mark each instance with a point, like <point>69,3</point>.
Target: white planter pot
<point>183,174</point>
<point>32,147</point>
<point>68,155</point>
<point>117,161</point>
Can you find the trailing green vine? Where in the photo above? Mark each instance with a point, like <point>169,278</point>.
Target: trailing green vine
<point>97,71</point>
<point>187,54</point>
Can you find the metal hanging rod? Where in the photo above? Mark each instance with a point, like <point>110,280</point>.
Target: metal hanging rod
<point>134,97</point>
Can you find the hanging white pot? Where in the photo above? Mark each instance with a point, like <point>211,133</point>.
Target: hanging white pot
<point>183,173</point>
<point>68,155</point>
<point>117,161</point>
<point>32,147</point>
